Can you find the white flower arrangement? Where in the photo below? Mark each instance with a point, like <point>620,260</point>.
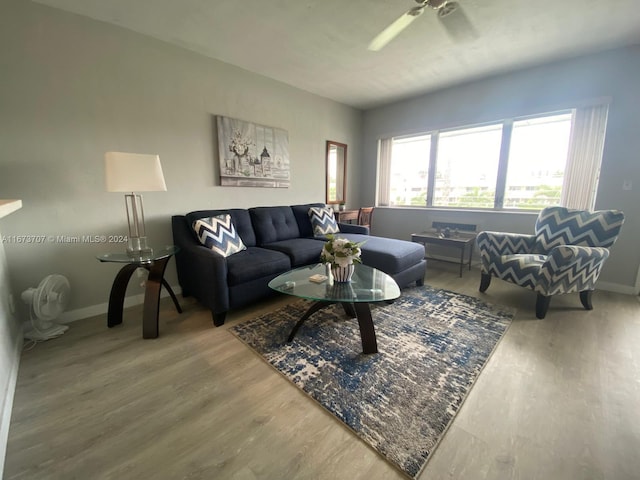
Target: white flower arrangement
<point>340,251</point>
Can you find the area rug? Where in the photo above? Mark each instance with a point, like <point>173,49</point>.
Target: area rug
<point>432,346</point>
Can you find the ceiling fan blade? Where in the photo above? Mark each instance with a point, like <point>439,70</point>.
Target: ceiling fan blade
<point>395,28</point>
<point>456,22</point>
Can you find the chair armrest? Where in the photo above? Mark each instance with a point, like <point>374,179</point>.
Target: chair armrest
<point>496,244</point>
<point>506,243</point>
<point>571,268</point>
<point>350,228</point>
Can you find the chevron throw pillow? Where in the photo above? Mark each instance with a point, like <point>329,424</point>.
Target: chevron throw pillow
<point>219,234</point>
<point>322,221</point>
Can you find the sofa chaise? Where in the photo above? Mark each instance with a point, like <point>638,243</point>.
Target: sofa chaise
<point>275,240</point>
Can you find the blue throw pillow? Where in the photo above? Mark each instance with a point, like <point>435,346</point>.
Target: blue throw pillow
<point>323,221</point>
<point>219,234</point>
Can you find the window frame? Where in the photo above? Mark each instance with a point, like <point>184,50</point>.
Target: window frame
<point>503,160</point>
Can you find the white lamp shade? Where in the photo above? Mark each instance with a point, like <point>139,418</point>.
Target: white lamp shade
<point>133,172</point>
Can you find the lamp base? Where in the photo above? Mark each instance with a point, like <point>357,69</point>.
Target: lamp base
<point>137,247</point>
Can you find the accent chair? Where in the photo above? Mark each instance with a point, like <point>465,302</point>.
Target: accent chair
<point>565,255</point>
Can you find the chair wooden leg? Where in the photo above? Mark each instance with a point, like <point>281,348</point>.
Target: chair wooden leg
<point>542,305</point>
<point>585,298</point>
<point>485,281</point>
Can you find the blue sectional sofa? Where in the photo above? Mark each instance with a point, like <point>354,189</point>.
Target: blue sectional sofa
<point>277,239</point>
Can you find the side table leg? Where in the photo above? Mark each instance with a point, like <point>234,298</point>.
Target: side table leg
<point>367,332</point>
<point>152,298</point>
<point>116,297</point>
<point>173,295</point>
<point>462,258</point>
<point>166,285</point>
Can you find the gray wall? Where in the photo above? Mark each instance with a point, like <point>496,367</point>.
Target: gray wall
<point>560,85</point>
<point>72,88</point>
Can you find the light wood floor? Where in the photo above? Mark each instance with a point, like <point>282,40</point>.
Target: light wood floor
<point>559,399</point>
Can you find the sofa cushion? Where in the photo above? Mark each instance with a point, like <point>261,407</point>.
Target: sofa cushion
<point>387,254</point>
<point>254,263</point>
<point>323,221</point>
<point>273,224</point>
<point>218,234</point>
<point>301,251</point>
<point>239,216</point>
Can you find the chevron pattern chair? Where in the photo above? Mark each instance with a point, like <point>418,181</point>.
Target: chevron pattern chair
<point>565,255</point>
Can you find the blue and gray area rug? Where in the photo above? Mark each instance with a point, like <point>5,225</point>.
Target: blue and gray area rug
<point>432,346</point>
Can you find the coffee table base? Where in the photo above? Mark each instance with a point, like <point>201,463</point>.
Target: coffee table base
<point>359,310</point>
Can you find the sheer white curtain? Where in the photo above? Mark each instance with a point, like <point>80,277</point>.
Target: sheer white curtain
<point>585,155</point>
<point>384,171</point>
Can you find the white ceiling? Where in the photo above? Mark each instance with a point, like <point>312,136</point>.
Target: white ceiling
<point>321,45</point>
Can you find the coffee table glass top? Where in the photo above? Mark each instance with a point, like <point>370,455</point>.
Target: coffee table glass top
<point>123,257</point>
<point>367,285</point>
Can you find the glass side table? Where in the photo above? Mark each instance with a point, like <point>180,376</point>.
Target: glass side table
<point>155,263</point>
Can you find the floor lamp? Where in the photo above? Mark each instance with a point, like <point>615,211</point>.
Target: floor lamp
<point>134,172</point>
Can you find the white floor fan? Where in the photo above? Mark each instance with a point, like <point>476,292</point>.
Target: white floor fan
<point>46,304</point>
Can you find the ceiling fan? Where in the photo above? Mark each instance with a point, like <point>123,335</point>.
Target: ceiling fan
<point>449,13</point>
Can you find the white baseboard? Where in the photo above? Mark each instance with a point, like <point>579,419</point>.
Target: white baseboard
<point>617,288</point>
<point>102,308</point>
<point>7,401</point>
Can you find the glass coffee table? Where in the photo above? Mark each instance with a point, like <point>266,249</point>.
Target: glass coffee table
<point>368,285</point>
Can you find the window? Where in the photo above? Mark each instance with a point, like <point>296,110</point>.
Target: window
<point>409,173</point>
<point>537,158</point>
<point>522,163</point>
<point>466,167</point>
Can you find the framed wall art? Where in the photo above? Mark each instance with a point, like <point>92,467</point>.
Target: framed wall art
<point>252,155</point>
